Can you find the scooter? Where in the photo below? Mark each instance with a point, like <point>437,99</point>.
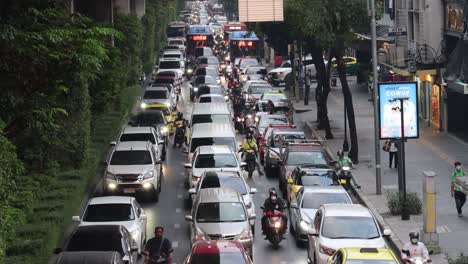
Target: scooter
<point>415,259</point>
<point>250,160</point>
<point>276,228</point>
<point>345,177</point>
<point>179,136</point>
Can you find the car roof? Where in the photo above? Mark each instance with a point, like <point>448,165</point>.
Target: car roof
<point>216,195</point>
<point>203,130</point>
<point>305,147</point>
<point>111,200</point>
<point>350,210</point>
<point>287,131</point>
<point>211,108</point>
<point>169,59</point>
<point>211,95</point>
<point>102,229</point>
<point>221,174</point>
<point>216,247</point>
<point>131,145</point>
<point>157,88</point>
<point>215,149</point>
<point>324,189</point>
<point>88,257</point>
<point>137,130</point>
<point>369,254</point>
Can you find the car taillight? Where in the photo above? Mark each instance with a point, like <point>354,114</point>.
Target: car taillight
<point>326,250</point>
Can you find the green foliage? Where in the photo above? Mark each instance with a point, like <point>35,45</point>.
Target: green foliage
<point>395,203</point>
<point>461,259</point>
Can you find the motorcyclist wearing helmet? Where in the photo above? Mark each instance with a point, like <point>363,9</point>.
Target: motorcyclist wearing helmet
<point>180,120</point>
<point>250,144</point>
<point>272,203</point>
<point>270,106</point>
<point>415,248</point>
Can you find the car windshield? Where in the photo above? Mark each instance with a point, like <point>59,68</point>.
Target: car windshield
<point>212,72</point>
<point>265,121</point>
<point>176,42</point>
<point>108,213</point>
<point>196,142</point>
<point>95,242</point>
<point>169,64</point>
<point>260,89</point>
<point>219,119</point>
<point>315,200</point>
<point>248,62</point>
<point>211,99</point>
<point>148,118</point>
<point>370,261</point>
<point>131,157</point>
<point>285,138</point>
<point>155,95</point>
<point>215,161</point>
<point>271,96</point>
<point>310,180</point>
<point>349,227</point>
<point>219,258</point>
<point>220,212</point>
<point>205,79</point>
<point>164,80</point>
<point>171,56</point>
<point>203,52</point>
<point>299,158</point>
<point>232,182</point>
<point>213,60</point>
<point>138,137</point>
<point>255,70</point>
<point>163,109</point>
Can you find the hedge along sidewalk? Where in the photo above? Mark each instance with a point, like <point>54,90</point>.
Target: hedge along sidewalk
<point>62,194</point>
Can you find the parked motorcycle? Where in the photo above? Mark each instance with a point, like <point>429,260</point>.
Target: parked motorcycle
<point>275,228</point>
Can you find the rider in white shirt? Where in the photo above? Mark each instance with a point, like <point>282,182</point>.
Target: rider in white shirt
<point>415,248</point>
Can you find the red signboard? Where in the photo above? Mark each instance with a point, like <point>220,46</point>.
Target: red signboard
<point>243,43</point>
<point>199,38</point>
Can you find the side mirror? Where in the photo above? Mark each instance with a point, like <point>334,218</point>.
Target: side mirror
<point>188,165</point>
<point>294,206</point>
<point>76,218</point>
<point>253,190</point>
<point>143,217</point>
<point>192,191</point>
<point>113,143</point>
<point>189,218</point>
<point>252,217</point>
<point>158,161</point>
<point>312,232</point>
<point>387,232</point>
<point>290,180</point>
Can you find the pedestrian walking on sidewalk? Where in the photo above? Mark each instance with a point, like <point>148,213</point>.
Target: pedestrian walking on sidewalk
<point>456,191</point>
<point>391,148</point>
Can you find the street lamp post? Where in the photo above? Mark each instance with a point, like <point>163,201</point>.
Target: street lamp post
<point>378,176</point>
<point>345,141</point>
<point>402,165</point>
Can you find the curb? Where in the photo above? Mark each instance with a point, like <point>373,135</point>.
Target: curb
<point>394,243</point>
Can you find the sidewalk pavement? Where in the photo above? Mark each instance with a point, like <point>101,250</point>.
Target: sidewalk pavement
<point>433,151</point>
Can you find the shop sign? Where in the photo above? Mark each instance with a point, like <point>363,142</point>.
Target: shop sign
<point>397,31</point>
<point>390,110</point>
<point>454,17</point>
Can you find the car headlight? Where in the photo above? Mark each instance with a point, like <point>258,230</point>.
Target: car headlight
<point>110,176</point>
<point>167,104</point>
<point>135,234</point>
<point>227,58</point>
<point>273,155</point>
<point>164,129</point>
<point>304,226</point>
<point>143,105</point>
<point>148,175</point>
<point>189,70</point>
<point>229,70</point>
<point>246,234</point>
<point>218,81</point>
<point>195,89</point>
<point>244,79</point>
<point>226,97</point>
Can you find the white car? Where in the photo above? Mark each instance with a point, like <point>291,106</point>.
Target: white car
<point>180,42</point>
<point>172,64</point>
<point>212,158</point>
<point>116,210</point>
<point>210,98</point>
<point>251,82</point>
<point>143,133</point>
<point>158,95</point>
<point>227,179</point>
<point>340,226</point>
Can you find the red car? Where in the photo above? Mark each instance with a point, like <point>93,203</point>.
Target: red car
<point>266,134</point>
<point>217,252</point>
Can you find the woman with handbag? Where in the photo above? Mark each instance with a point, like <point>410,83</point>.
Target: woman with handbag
<point>391,148</point>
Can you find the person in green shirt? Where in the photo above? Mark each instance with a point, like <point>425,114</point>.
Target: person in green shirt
<point>456,191</point>
<point>342,160</point>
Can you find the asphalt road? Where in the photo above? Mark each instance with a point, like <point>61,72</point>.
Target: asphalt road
<point>172,207</point>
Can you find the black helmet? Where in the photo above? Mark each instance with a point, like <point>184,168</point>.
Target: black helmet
<point>272,192</point>
<point>180,115</point>
<point>249,136</point>
<point>340,153</point>
<point>414,237</point>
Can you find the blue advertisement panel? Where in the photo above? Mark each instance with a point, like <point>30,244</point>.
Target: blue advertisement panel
<point>390,110</point>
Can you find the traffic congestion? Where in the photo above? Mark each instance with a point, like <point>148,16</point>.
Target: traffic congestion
<point>213,167</point>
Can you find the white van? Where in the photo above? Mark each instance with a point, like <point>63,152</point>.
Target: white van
<point>211,113</point>
<point>209,134</point>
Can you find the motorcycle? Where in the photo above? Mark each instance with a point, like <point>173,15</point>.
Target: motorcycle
<point>239,122</point>
<point>276,228</point>
<point>345,177</point>
<point>415,259</point>
<point>179,136</point>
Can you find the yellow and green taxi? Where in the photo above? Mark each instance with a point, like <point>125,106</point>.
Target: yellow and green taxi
<point>363,256</point>
<point>351,63</point>
<point>169,115</point>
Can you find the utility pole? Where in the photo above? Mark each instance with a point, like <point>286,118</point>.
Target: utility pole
<point>378,175</point>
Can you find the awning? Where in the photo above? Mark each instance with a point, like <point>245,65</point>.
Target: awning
<point>405,72</point>
<point>457,87</point>
<point>381,32</point>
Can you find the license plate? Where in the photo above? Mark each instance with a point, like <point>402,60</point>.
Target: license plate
<point>129,190</point>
